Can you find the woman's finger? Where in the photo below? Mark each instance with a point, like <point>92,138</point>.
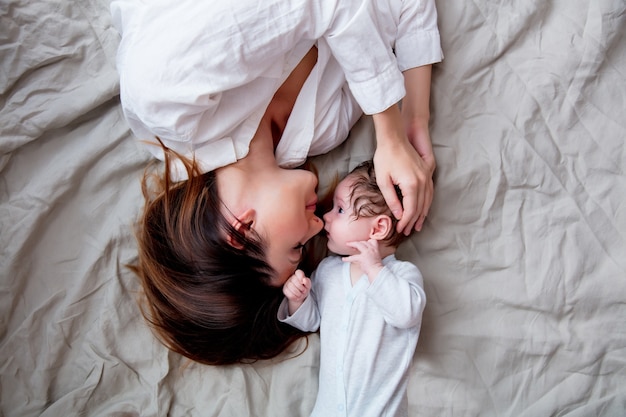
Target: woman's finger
<point>388,191</point>
<point>410,203</point>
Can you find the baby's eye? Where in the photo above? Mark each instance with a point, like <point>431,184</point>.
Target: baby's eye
<point>340,210</point>
<point>298,247</point>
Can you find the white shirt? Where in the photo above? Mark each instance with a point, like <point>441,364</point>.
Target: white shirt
<point>200,74</point>
<point>368,336</point>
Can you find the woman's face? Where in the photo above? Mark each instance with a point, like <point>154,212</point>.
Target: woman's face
<point>286,219</point>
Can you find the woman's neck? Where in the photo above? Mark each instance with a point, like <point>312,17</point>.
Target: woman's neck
<point>272,125</point>
<point>238,181</point>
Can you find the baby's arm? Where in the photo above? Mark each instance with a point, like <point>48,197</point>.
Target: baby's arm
<point>296,290</point>
<point>368,258</point>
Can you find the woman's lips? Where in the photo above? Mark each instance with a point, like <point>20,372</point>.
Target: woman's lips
<point>312,205</point>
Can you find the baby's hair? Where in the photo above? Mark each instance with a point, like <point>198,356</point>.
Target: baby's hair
<point>367,200</point>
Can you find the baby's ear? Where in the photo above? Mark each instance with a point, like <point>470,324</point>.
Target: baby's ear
<point>381,226</point>
<point>242,224</point>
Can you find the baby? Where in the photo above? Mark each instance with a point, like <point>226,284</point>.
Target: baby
<point>367,305</point>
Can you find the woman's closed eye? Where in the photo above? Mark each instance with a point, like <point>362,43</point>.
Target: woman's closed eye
<point>296,256</point>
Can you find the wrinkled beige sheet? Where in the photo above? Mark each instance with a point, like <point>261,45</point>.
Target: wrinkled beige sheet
<point>524,252</point>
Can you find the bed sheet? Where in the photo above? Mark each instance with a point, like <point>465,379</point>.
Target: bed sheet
<point>523,252</point>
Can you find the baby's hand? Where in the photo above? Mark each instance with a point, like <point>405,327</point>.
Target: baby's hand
<point>368,258</point>
<point>296,289</point>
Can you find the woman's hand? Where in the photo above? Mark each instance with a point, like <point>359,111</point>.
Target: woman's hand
<point>419,136</point>
<point>398,163</point>
<point>416,115</point>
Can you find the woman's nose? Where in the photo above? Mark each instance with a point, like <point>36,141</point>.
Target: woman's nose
<point>309,177</point>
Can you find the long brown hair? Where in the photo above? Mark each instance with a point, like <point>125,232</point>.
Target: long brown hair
<point>205,298</point>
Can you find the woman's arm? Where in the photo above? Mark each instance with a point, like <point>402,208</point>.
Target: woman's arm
<point>416,112</point>
<point>404,155</point>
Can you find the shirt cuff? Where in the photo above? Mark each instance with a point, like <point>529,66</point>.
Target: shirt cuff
<point>418,49</point>
<point>379,93</point>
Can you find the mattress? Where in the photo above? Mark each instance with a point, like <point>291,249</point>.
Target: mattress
<point>523,252</point>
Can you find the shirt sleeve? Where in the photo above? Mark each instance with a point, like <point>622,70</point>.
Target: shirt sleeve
<point>306,318</point>
<point>399,295</point>
<point>375,41</point>
<point>199,75</point>
<point>418,42</point>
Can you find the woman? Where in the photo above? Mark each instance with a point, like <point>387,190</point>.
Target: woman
<point>233,96</point>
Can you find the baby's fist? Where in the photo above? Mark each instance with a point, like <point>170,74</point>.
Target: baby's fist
<point>297,287</point>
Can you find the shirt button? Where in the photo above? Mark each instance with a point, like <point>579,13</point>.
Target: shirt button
<point>340,407</point>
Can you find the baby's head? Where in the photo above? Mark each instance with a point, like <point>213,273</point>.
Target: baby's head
<point>360,213</point>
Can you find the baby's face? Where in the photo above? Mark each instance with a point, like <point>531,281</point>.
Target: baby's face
<point>340,223</point>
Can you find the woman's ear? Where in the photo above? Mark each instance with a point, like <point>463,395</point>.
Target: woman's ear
<point>242,224</point>
<point>381,226</point>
